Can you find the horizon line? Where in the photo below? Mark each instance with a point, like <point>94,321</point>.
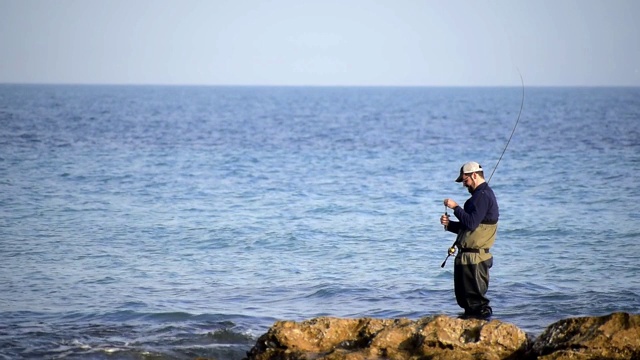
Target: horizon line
<point>307,85</point>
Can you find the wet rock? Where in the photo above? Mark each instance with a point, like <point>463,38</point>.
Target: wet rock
<point>611,337</point>
<point>437,337</point>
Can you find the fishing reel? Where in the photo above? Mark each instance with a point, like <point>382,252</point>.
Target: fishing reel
<point>450,252</point>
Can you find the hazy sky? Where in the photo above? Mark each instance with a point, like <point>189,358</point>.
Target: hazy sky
<point>321,42</point>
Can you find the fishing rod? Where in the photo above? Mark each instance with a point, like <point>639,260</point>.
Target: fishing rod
<point>452,249</point>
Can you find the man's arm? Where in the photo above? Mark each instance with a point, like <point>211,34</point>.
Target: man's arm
<point>478,210</point>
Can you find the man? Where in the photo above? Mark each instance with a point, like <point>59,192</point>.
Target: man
<point>476,227</point>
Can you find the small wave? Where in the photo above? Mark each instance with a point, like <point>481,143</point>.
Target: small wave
<point>173,335</point>
<point>228,336</point>
<point>329,291</point>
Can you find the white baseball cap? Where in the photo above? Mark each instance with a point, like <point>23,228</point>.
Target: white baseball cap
<point>469,168</point>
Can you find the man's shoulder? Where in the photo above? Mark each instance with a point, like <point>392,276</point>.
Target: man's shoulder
<point>484,188</point>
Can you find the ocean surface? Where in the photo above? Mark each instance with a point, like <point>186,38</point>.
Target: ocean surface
<point>151,222</point>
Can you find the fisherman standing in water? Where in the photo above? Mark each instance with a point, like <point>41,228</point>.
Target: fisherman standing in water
<point>476,229</point>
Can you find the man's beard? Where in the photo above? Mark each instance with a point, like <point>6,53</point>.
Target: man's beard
<point>469,189</point>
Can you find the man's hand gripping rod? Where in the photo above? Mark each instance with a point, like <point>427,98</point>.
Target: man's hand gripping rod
<point>452,249</point>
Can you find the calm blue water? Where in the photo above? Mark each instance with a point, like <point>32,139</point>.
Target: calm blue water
<point>176,222</point>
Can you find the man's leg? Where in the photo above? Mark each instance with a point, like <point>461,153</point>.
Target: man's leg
<point>471,282</point>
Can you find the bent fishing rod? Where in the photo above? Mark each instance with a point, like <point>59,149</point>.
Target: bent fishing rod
<point>452,249</point>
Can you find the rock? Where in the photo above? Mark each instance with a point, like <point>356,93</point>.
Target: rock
<point>612,337</point>
<point>437,337</point>
<point>615,336</point>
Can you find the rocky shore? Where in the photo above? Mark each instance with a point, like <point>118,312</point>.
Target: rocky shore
<point>615,336</point>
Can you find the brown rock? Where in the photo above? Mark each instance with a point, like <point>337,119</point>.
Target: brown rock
<point>611,337</point>
<point>438,337</point>
<point>615,336</point>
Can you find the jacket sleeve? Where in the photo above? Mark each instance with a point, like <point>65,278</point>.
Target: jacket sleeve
<point>478,210</point>
<point>453,227</point>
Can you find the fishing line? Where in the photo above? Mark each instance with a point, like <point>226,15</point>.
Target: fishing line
<point>452,249</point>
<point>512,131</point>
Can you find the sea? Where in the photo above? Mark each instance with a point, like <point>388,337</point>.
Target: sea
<point>177,222</point>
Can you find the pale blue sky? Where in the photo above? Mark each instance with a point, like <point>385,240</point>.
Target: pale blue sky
<point>321,42</point>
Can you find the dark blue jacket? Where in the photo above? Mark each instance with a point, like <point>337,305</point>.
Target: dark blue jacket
<point>481,207</point>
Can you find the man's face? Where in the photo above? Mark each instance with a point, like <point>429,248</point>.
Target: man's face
<point>468,182</point>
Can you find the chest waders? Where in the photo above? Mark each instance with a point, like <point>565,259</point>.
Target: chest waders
<point>471,268</point>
